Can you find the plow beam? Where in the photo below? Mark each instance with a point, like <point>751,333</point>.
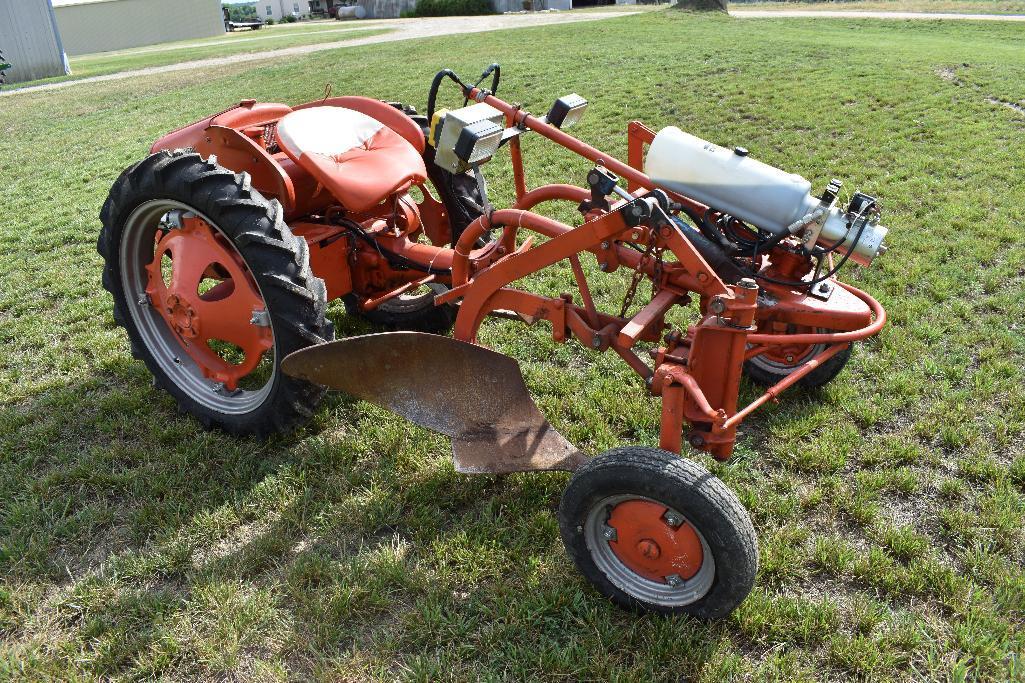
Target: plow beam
<point>467,392</point>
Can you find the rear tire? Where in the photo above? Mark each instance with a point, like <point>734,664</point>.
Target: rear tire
<point>766,370</point>
<point>699,551</point>
<point>277,261</point>
<point>409,312</point>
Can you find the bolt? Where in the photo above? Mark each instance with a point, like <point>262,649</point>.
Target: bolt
<point>697,441</point>
<point>824,287</point>
<point>580,529</point>
<point>596,342</point>
<point>790,358</point>
<point>603,266</point>
<point>144,300</point>
<point>610,533</point>
<point>635,235</point>
<point>748,283</point>
<point>605,244</point>
<point>674,580</point>
<point>674,520</point>
<point>177,360</point>
<point>217,387</point>
<point>260,318</point>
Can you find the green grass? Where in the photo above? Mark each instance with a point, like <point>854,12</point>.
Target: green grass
<point>956,6</point>
<point>239,42</point>
<point>889,506</point>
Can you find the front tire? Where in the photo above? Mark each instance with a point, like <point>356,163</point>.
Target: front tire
<point>657,533</point>
<point>215,345</point>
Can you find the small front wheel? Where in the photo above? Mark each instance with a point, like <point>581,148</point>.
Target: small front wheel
<point>654,532</point>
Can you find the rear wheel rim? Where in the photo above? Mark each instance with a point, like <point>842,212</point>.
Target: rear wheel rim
<point>137,251</point>
<point>660,541</point>
<point>414,301</point>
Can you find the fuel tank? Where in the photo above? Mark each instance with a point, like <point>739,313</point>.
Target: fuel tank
<point>728,180</point>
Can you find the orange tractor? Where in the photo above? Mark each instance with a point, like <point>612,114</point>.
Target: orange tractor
<point>223,248</point>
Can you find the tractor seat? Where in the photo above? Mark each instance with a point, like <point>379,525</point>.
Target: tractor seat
<point>357,158</point>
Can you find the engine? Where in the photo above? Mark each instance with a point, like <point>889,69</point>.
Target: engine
<point>773,201</point>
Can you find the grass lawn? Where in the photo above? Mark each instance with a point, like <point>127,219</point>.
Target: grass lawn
<point>962,6</point>
<point>239,42</point>
<point>890,505</point>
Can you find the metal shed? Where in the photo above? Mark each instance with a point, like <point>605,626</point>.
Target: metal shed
<point>89,26</point>
<point>30,41</point>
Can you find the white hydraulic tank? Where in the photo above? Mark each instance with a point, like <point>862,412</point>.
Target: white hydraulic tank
<point>728,180</point>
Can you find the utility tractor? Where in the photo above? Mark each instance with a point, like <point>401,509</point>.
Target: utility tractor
<point>224,246</point>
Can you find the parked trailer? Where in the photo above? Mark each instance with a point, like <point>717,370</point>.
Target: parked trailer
<point>243,25</point>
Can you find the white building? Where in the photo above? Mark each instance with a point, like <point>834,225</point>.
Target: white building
<point>278,9</point>
<point>88,26</point>
<point>30,41</point>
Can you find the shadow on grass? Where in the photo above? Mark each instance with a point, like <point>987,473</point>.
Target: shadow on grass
<point>158,546</point>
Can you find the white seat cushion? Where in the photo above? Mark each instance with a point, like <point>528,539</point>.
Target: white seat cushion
<point>330,131</point>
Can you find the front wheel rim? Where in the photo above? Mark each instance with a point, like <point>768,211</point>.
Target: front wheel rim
<point>685,577</point>
<point>165,345</point>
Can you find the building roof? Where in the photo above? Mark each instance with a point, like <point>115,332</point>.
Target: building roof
<point>61,3</point>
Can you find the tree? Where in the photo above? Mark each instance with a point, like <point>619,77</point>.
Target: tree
<point>241,12</point>
<point>703,5</point>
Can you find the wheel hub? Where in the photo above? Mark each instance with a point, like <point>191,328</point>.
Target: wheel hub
<point>183,316</point>
<point>229,311</point>
<point>654,541</point>
<point>649,549</point>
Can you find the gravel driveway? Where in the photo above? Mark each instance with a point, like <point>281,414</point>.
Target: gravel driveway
<point>403,29</point>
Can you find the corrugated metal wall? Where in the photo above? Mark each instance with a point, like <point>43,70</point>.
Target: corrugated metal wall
<point>119,24</point>
<point>29,40</point>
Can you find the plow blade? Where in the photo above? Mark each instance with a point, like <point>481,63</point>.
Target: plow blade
<point>467,392</point>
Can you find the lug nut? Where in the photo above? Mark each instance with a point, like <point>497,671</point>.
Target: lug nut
<point>609,533</point>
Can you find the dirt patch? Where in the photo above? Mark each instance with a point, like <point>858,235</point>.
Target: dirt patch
<point>1013,106</point>
<point>950,75</point>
